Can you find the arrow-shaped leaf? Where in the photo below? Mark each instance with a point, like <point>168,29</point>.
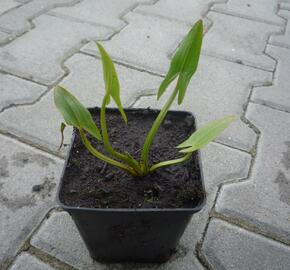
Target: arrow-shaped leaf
<point>184,62</point>
<point>111,79</point>
<point>74,113</point>
<point>205,135</point>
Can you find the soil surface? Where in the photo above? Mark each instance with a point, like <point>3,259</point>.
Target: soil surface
<point>89,182</point>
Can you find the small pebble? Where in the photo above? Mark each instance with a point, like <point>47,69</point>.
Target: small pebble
<point>72,191</point>
<point>37,188</point>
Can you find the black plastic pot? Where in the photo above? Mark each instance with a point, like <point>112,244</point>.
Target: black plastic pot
<point>131,235</point>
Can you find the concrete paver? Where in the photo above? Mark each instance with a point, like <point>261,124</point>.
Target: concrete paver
<point>18,20</point>
<point>22,208</point>
<point>255,10</point>
<point>244,43</point>
<point>15,91</point>
<point>108,13</point>
<point>263,201</point>
<point>278,94</point>
<point>186,10</point>
<point>38,55</point>
<point>282,40</point>
<point>145,42</point>
<point>7,5</point>
<point>230,247</point>
<point>27,262</point>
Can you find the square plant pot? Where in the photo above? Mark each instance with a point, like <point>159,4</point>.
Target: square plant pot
<point>146,223</point>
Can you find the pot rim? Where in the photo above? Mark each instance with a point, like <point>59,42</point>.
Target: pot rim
<point>74,208</point>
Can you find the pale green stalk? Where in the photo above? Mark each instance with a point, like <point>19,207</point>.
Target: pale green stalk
<point>149,139</point>
<point>102,157</point>
<point>169,162</point>
<point>132,162</point>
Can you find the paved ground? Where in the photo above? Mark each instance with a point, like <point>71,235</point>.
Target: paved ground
<point>244,70</point>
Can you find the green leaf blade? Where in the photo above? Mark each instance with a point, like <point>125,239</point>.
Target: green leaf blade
<point>111,80</point>
<point>205,135</point>
<point>74,113</point>
<point>184,62</point>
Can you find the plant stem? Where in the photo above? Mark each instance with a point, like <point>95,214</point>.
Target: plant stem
<point>169,162</point>
<point>101,156</point>
<point>132,162</point>
<point>149,139</point>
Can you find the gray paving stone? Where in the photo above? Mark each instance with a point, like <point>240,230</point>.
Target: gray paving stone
<point>25,261</point>
<point>220,165</point>
<point>38,54</point>
<point>263,201</point>
<point>278,94</point>
<point>219,88</point>
<point>253,10</point>
<point>21,209</point>
<point>59,237</point>
<point>14,91</point>
<point>282,40</point>
<point>6,5</point>
<point>144,42</point>
<point>108,13</point>
<point>186,10</point>
<point>285,6</point>
<point>244,43</point>
<point>228,247</point>
<point>17,20</point>
<point>39,123</point>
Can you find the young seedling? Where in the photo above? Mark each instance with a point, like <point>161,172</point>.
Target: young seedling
<point>183,65</point>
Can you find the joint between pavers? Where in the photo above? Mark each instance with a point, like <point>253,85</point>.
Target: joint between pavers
<point>198,248</point>
<point>50,260</point>
<point>249,18</point>
<point>14,105</point>
<point>249,227</point>
<point>73,19</point>
<point>148,14</point>
<point>43,256</point>
<point>143,93</point>
<point>271,105</point>
<point>236,61</point>
<point>39,147</point>
<point>30,19</point>
<point>65,69</point>
<point>13,8</point>
<point>25,246</point>
<point>126,64</point>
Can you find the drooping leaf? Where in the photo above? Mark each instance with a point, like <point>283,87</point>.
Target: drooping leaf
<point>62,128</point>
<point>205,135</point>
<point>184,62</point>
<point>111,79</point>
<point>74,113</point>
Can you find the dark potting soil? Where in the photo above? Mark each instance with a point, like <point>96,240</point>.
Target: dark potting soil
<point>89,182</point>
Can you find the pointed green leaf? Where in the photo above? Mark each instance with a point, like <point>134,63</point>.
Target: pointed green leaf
<point>184,62</point>
<point>111,79</point>
<point>205,135</point>
<point>74,113</point>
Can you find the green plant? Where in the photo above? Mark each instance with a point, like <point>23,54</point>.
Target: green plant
<point>183,65</point>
